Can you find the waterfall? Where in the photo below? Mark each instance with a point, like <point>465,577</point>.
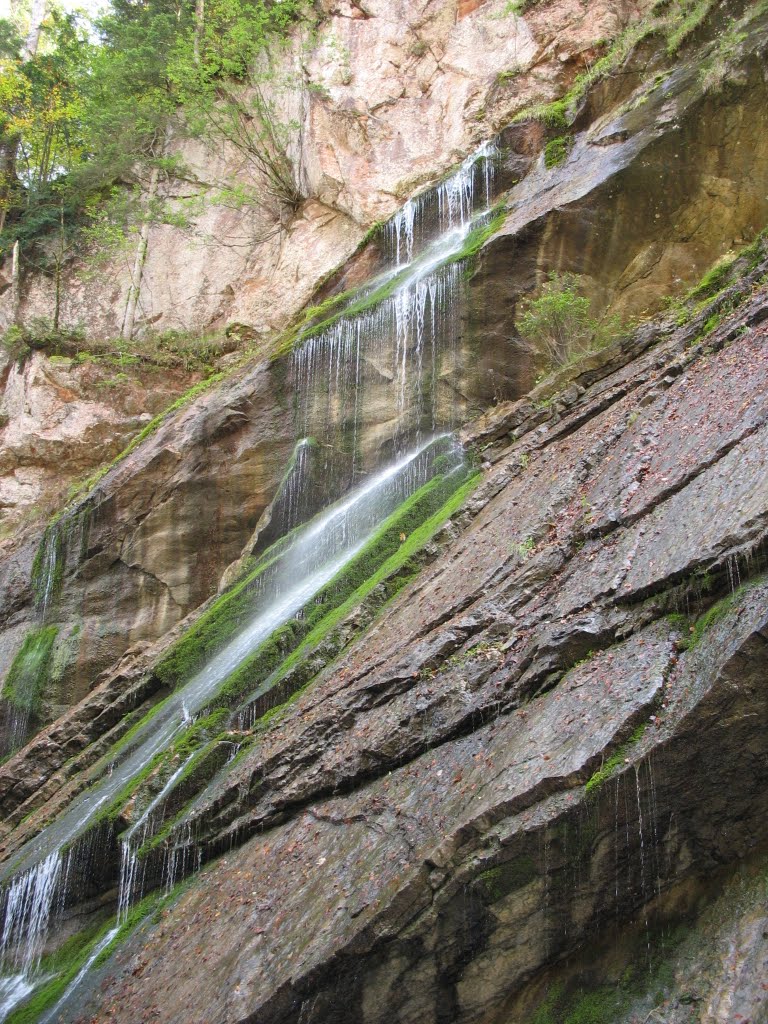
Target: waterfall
<point>406,330</point>
<point>28,903</point>
<point>403,328</point>
<point>453,203</point>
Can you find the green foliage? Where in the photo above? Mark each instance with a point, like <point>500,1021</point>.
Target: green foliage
<point>87,122</point>
<point>25,683</point>
<point>727,270</point>
<point>40,334</point>
<point>715,68</point>
<point>556,151</point>
<point>687,18</point>
<point>614,762</point>
<point>596,1007</point>
<point>41,131</point>
<point>516,7</point>
<point>544,1013</point>
<point>555,115</point>
<point>559,323</point>
<point>524,548</point>
<point>507,76</point>
<point>477,238</point>
<point>398,566</point>
<point>224,74</point>
<point>59,968</point>
<point>722,288</point>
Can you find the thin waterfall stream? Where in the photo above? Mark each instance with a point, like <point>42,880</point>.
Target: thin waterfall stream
<point>411,326</point>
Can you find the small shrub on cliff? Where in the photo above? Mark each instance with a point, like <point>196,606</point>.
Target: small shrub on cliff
<point>41,334</point>
<point>556,151</point>
<point>559,324</point>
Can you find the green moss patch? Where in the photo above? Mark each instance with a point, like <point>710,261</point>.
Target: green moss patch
<point>28,674</point>
<point>387,562</point>
<point>220,623</point>
<point>590,996</point>
<point>696,633</point>
<point>477,238</point>
<point>296,672</point>
<point>66,962</point>
<point>614,761</point>
<point>500,881</point>
<point>400,536</point>
<point>556,151</point>
<point>675,23</point>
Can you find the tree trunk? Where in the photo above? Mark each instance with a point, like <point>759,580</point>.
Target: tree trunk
<point>15,284</point>
<point>7,175</point>
<point>199,24</point>
<point>132,303</point>
<point>36,18</point>
<point>58,271</point>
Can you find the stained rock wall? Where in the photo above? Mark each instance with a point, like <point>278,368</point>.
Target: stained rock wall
<point>543,738</point>
<point>555,730</point>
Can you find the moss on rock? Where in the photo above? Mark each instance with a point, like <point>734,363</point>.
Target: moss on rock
<point>28,674</point>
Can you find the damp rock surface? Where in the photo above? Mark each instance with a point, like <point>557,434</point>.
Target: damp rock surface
<point>535,750</point>
<point>533,744</point>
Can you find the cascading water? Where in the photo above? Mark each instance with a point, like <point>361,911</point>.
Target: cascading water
<point>407,330</point>
<point>409,334</point>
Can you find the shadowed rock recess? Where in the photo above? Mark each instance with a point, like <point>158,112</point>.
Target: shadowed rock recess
<point>401,676</point>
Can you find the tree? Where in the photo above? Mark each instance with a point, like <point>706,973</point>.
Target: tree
<point>559,323</point>
<point>228,82</point>
<point>79,119</point>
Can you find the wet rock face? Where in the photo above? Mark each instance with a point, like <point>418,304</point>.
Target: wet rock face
<point>635,210</point>
<point>151,542</point>
<point>519,752</point>
<point>60,418</point>
<point>652,192</point>
<point>540,739</point>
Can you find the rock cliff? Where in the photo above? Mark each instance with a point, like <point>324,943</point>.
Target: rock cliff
<point>510,763</point>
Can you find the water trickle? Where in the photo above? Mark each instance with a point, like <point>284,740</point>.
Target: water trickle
<point>28,903</point>
<point>48,569</point>
<point>654,820</point>
<point>642,860</point>
<point>132,868</point>
<point>453,202</point>
<point>64,543</point>
<point>96,952</point>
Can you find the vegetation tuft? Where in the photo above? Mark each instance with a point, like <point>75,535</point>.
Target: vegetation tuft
<point>28,674</point>
<point>558,322</point>
<point>614,762</point>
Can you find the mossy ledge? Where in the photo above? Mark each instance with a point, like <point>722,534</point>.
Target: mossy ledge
<point>294,675</point>
<point>672,23</point>
<point>28,673</point>
<point>60,968</point>
<point>272,668</point>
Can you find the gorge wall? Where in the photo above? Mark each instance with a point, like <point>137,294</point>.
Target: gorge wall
<point>519,771</point>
